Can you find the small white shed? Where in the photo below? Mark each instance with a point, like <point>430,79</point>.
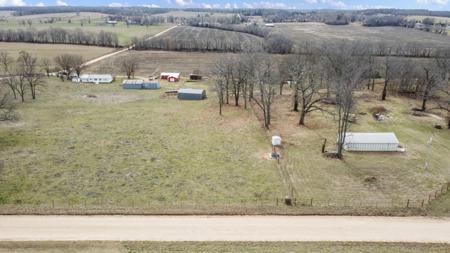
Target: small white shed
<point>383,142</point>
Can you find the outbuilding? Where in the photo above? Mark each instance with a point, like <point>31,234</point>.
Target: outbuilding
<point>383,142</point>
<point>191,94</point>
<point>132,84</point>
<point>93,78</point>
<point>169,76</point>
<point>140,84</point>
<point>195,77</point>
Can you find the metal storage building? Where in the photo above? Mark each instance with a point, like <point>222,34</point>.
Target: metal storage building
<point>191,94</point>
<point>371,142</point>
<point>132,84</point>
<point>151,85</point>
<point>140,84</point>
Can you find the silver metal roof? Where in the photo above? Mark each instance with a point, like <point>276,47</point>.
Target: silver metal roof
<point>132,81</point>
<point>376,138</point>
<point>96,76</point>
<point>191,91</point>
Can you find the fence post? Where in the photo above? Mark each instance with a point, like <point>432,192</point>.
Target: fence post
<point>448,185</point>
<point>311,202</point>
<point>422,202</point>
<point>53,204</point>
<point>435,194</point>
<point>407,204</point>
<point>429,198</point>
<point>277,201</point>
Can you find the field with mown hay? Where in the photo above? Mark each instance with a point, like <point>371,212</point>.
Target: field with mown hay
<point>89,144</point>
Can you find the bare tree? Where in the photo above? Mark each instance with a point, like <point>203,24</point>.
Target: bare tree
<point>46,65</point>
<point>6,108</point>
<point>220,88</point>
<point>387,73</point>
<point>266,77</point>
<point>431,82</point>
<point>65,62</point>
<point>7,64</point>
<point>27,68</point>
<point>348,69</point>
<point>77,64</point>
<point>129,65</point>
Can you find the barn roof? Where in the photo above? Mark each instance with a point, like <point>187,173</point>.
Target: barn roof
<point>170,74</point>
<point>375,138</point>
<point>191,91</point>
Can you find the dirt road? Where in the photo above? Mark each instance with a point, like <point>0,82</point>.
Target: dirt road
<point>90,62</point>
<point>225,228</point>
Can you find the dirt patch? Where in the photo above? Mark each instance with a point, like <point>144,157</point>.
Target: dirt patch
<point>110,98</point>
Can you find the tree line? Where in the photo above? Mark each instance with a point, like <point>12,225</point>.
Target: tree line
<point>61,36</point>
<point>330,73</point>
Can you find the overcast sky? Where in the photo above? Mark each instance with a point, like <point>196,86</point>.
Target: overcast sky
<point>279,4</point>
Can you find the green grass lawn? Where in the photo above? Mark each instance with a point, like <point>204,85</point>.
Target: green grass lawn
<point>132,146</point>
<point>229,247</point>
<point>97,23</point>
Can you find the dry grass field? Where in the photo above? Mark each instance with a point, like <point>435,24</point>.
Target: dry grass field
<point>92,22</point>
<point>89,143</point>
<point>208,39</point>
<point>319,32</point>
<point>52,50</point>
<point>375,179</point>
<point>154,62</point>
<point>228,247</point>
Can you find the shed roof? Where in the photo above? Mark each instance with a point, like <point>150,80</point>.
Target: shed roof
<point>133,82</point>
<point>191,91</point>
<point>376,138</point>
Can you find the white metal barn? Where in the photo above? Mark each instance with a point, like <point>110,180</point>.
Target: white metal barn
<point>92,78</point>
<point>371,142</point>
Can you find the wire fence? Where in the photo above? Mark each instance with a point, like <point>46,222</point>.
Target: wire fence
<point>266,205</point>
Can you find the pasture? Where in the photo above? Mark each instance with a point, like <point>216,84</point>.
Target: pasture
<point>86,21</point>
<point>229,247</point>
<point>50,51</point>
<point>86,143</point>
<point>367,178</point>
<point>319,32</point>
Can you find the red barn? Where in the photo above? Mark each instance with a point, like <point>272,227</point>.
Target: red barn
<point>171,77</point>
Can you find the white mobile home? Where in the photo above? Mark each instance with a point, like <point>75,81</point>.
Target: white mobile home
<point>93,78</point>
<point>371,142</point>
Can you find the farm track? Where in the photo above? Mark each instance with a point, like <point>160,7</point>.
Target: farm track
<point>224,228</point>
<point>90,62</point>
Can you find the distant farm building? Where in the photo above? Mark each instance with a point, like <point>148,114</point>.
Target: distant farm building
<point>195,77</point>
<point>93,78</point>
<point>270,25</point>
<point>191,94</point>
<point>171,77</point>
<point>140,84</point>
<point>371,142</point>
